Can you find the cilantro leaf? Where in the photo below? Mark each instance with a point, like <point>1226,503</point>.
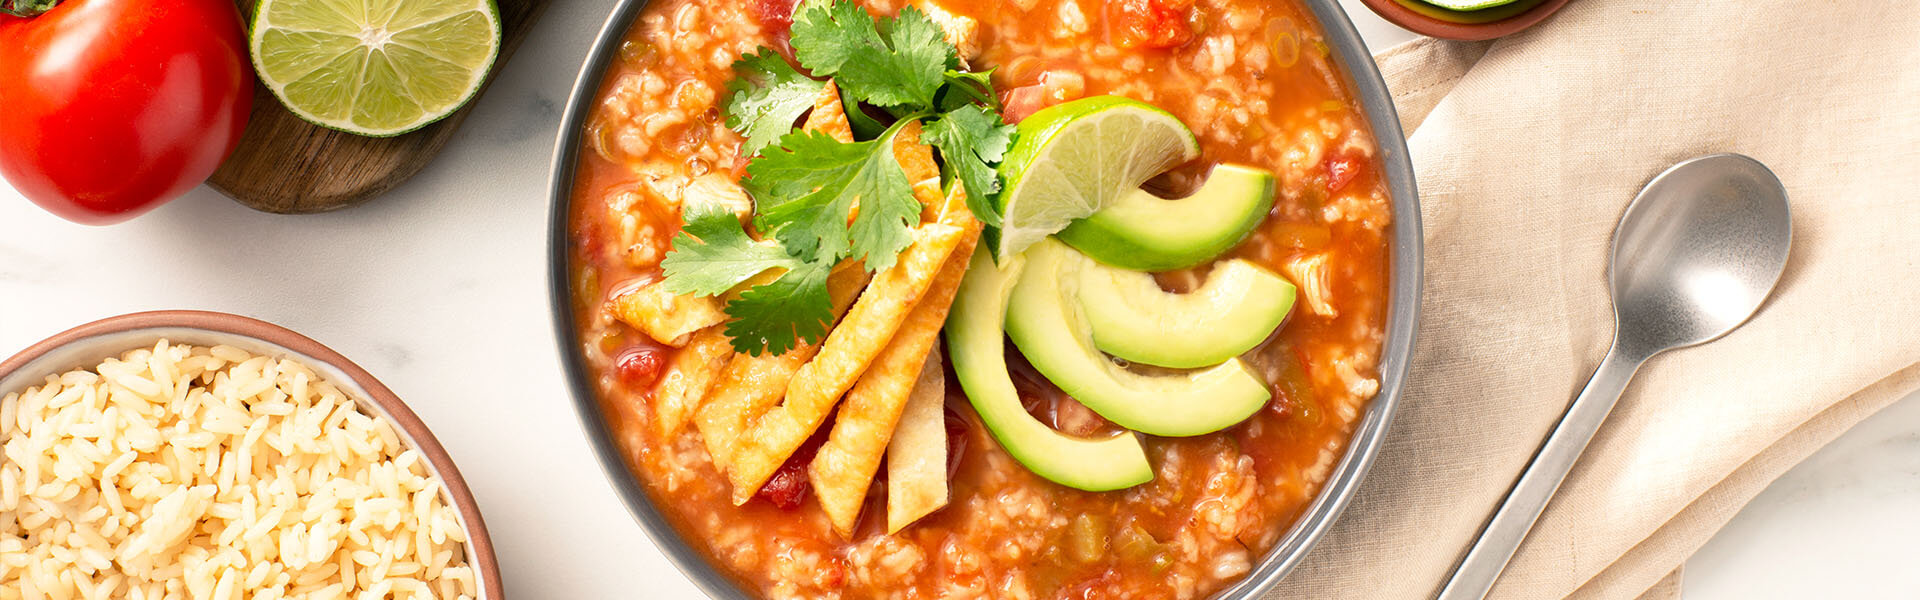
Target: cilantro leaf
<point>895,62</point>
<point>777,316</point>
<point>712,253</point>
<point>798,187</point>
<point>806,187</point>
<point>971,140</point>
<point>968,87</point>
<point>887,207</point>
<point>768,96</point>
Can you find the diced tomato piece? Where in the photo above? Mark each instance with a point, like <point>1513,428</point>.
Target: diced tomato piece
<point>1152,23</point>
<point>1023,101</point>
<point>788,486</point>
<point>1075,419</point>
<point>1341,170</point>
<point>775,15</point>
<point>1054,87</point>
<point>640,366</point>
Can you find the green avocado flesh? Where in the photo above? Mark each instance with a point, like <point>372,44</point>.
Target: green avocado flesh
<point>1144,232</point>
<point>976,342</point>
<point>1132,318</point>
<point>1045,321</point>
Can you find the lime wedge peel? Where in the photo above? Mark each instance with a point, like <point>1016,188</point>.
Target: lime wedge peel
<point>1072,159</point>
<point>375,67</point>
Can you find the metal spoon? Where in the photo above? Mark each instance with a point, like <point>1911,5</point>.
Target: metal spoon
<point>1694,256</point>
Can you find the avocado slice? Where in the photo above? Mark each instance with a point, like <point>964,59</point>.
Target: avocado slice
<point>1145,232</point>
<point>1132,318</point>
<point>977,344</point>
<point>1045,321</point>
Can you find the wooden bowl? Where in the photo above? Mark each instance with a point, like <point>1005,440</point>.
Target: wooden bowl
<point>1398,14</point>
<point>87,345</point>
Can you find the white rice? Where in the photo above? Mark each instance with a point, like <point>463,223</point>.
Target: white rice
<point>187,472</point>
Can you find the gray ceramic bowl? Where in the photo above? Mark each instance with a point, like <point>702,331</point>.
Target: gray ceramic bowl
<point>1348,50</point>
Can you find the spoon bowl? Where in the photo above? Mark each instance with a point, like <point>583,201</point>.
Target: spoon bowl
<point>1697,252</point>
<point>1694,256</point>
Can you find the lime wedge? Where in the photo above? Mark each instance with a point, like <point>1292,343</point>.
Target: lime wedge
<point>374,67</point>
<point>1074,158</point>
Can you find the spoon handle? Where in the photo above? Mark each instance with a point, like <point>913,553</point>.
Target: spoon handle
<point>1503,534</point>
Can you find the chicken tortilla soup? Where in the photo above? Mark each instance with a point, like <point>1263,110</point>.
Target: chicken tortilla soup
<point>980,298</point>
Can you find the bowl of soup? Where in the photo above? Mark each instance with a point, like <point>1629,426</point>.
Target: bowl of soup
<point>833,332</point>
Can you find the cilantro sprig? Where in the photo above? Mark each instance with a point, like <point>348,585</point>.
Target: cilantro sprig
<point>768,95</point>
<point>810,184</point>
<point>889,71</point>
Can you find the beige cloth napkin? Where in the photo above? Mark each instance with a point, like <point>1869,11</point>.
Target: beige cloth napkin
<point>1526,157</point>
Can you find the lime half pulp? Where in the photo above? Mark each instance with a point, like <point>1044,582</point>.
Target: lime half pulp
<point>1072,159</point>
<point>374,67</point>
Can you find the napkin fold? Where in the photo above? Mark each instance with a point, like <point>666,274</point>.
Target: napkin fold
<point>1527,151</point>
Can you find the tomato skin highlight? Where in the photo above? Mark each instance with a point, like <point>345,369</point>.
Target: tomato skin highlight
<point>1341,170</point>
<point>640,367</point>
<point>109,108</point>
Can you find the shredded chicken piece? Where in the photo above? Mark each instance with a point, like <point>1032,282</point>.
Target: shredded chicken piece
<point>1310,273</point>
<point>718,189</point>
<point>961,31</point>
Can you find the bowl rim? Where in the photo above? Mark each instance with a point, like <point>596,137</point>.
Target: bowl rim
<point>1406,18</point>
<point>218,324</point>
<point>1405,277</point>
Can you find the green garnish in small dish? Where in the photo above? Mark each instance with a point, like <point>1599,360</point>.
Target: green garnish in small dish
<point>1469,11</point>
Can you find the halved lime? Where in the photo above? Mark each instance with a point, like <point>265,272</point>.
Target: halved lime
<point>374,67</point>
<point>1074,158</point>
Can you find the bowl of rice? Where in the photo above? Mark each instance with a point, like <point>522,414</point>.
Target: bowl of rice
<point>186,454</point>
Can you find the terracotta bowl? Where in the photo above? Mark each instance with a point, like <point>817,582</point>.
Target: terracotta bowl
<point>87,345</point>
<point>1398,14</point>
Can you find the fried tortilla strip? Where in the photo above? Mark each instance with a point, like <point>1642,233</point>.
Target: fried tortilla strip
<point>916,159</point>
<point>917,454</point>
<point>689,374</point>
<point>666,317</point>
<point>871,411</point>
<point>749,384</point>
<point>849,348</point>
<point>844,468</point>
<point>829,116</point>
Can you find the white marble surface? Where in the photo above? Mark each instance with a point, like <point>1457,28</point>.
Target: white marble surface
<point>438,288</point>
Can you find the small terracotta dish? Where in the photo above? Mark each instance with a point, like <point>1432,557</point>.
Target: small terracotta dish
<point>1498,21</point>
<point>88,345</point>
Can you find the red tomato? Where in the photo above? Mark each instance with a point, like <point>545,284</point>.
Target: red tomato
<point>640,367</point>
<point>788,486</point>
<point>113,107</point>
<point>1054,87</point>
<point>1152,23</point>
<point>1341,170</point>
<point>775,15</point>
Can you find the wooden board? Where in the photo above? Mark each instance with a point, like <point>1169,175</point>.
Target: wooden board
<point>289,166</point>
